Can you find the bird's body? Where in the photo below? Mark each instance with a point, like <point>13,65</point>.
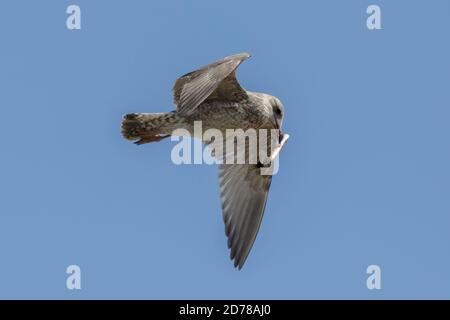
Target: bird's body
<point>213,96</point>
<point>221,115</point>
<point>232,115</point>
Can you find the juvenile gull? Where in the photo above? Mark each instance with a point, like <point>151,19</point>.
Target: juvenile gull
<point>213,96</point>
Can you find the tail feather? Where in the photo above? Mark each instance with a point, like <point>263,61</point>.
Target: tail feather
<point>147,127</point>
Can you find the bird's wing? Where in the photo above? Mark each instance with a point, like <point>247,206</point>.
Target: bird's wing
<point>214,81</point>
<point>243,192</point>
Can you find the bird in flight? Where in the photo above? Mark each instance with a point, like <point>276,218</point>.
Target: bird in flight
<point>213,96</point>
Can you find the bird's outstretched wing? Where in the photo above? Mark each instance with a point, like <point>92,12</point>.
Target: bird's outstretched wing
<point>214,81</point>
<point>243,192</point>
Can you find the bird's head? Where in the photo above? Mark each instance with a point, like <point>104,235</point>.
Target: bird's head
<point>277,110</point>
<point>277,114</point>
<point>273,110</point>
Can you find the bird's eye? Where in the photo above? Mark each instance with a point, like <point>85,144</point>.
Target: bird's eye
<point>278,111</point>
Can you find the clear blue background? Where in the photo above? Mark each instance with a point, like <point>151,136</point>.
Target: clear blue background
<point>364,179</point>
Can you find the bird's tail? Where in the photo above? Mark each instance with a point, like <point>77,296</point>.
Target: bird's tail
<point>148,127</point>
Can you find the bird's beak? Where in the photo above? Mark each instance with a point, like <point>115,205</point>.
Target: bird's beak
<point>282,140</point>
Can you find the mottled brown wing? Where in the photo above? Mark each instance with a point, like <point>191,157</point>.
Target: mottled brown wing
<point>214,81</point>
<point>243,192</point>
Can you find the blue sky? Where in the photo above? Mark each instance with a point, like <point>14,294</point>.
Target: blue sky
<point>364,179</point>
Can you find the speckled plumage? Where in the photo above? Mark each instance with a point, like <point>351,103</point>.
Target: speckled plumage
<point>213,96</point>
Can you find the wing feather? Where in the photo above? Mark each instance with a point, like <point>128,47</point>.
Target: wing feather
<point>244,194</point>
<point>214,81</point>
